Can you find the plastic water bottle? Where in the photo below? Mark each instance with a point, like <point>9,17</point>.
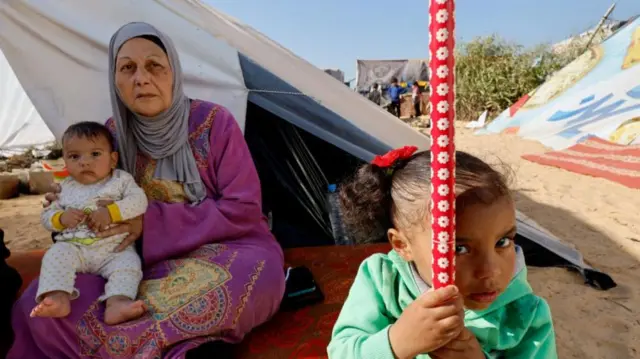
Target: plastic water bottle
<point>335,216</point>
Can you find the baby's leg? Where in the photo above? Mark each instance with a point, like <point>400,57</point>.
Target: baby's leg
<point>123,273</point>
<point>57,278</point>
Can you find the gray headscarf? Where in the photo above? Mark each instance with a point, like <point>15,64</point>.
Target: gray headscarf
<point>164,137</point>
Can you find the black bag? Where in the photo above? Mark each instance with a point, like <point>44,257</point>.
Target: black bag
<point>11,283</point>
<point>301,289</point>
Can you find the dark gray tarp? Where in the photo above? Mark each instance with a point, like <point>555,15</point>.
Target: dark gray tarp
<point>543,249</point>
<point>278,97</point>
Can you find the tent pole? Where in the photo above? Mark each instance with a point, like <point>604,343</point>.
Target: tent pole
<point>599,26</point>
<point>442,99</point>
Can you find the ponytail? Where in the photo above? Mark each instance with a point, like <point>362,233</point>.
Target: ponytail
<point>365,202</point>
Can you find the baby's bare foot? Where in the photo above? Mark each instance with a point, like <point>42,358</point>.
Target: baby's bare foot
<point>121,309</point>
<point>53,305</point>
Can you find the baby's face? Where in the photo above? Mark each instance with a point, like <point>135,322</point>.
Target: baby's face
<point>89,160</point>
<point>485,251</point>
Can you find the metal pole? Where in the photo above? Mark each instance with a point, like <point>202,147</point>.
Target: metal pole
<point>600,24</point>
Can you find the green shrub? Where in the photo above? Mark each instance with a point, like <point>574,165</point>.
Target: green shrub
<point>492,74</point>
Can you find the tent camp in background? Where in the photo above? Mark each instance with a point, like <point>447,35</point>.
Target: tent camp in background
<point>594,35</point>
<point>21,126</point>
<point>381,72</point>
<point>305,129</point>
<point>596,95</point>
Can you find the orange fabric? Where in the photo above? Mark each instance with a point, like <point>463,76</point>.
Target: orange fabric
<point>304,333</point>
<point>27,264</point>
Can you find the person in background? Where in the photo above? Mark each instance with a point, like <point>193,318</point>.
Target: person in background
<point>374,94</point>
<point>394,94</point>
<point>416,99</point>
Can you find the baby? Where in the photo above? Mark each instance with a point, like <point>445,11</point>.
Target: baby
<point>93,197</point>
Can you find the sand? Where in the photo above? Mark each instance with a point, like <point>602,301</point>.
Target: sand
<point>596,216</point>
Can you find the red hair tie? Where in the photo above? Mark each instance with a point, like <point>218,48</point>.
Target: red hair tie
<point>389,159</point>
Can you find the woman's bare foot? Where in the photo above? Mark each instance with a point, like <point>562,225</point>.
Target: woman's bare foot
<point>53,305</point>
<point>120,309</point>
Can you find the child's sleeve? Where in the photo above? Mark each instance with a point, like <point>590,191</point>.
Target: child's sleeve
<point>540,340</point>
<point>133,203</point>
<point>362,329</point>
<point>50,217</point>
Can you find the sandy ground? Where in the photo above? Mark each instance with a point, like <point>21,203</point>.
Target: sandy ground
<point>596,216</point>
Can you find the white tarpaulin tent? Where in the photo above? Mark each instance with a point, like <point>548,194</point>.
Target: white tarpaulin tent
<point>304,128</point>
<point>58,50</point>
<point>21,126</point>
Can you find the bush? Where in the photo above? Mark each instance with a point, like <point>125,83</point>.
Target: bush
<point>492,74</point>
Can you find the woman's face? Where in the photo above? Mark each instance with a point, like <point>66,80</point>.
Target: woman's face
<point>144,77</point>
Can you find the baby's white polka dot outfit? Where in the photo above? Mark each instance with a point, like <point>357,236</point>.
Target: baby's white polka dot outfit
<point>78,250</point>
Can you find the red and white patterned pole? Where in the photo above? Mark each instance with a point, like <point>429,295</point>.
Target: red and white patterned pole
<point>442,83</point>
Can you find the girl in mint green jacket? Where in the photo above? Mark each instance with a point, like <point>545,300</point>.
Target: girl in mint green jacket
<point>392,312</point>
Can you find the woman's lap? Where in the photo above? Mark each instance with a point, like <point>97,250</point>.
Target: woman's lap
<point>220,291</point>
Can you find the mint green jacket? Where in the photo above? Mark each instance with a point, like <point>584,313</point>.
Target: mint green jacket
<point>517,325</point>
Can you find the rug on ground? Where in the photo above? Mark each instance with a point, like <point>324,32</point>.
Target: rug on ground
<point>598,158</point>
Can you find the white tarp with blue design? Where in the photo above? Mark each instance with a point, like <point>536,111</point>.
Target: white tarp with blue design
<point>598,94</point>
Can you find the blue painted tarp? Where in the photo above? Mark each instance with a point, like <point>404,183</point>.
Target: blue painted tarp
<point>598,94</point>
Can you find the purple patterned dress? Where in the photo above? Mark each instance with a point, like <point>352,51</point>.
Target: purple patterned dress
<point>212,272</point>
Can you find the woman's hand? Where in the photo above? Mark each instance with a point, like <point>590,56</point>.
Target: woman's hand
<point>132,226</point>
<point>430,322</point>
<point>464,345</point>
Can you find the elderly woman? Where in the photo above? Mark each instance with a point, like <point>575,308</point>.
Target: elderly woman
<point>212,269</point>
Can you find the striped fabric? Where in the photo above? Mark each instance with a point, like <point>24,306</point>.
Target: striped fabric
<point>598,158</point>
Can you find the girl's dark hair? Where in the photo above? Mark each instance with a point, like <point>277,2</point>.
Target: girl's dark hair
<point>374,201</point>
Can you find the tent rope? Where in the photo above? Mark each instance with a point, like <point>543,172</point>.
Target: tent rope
<point>279,92</point>
<point>285,93</point>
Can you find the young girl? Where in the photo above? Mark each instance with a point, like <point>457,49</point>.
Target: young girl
<point>94,196</point>
<point>392,312</point>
